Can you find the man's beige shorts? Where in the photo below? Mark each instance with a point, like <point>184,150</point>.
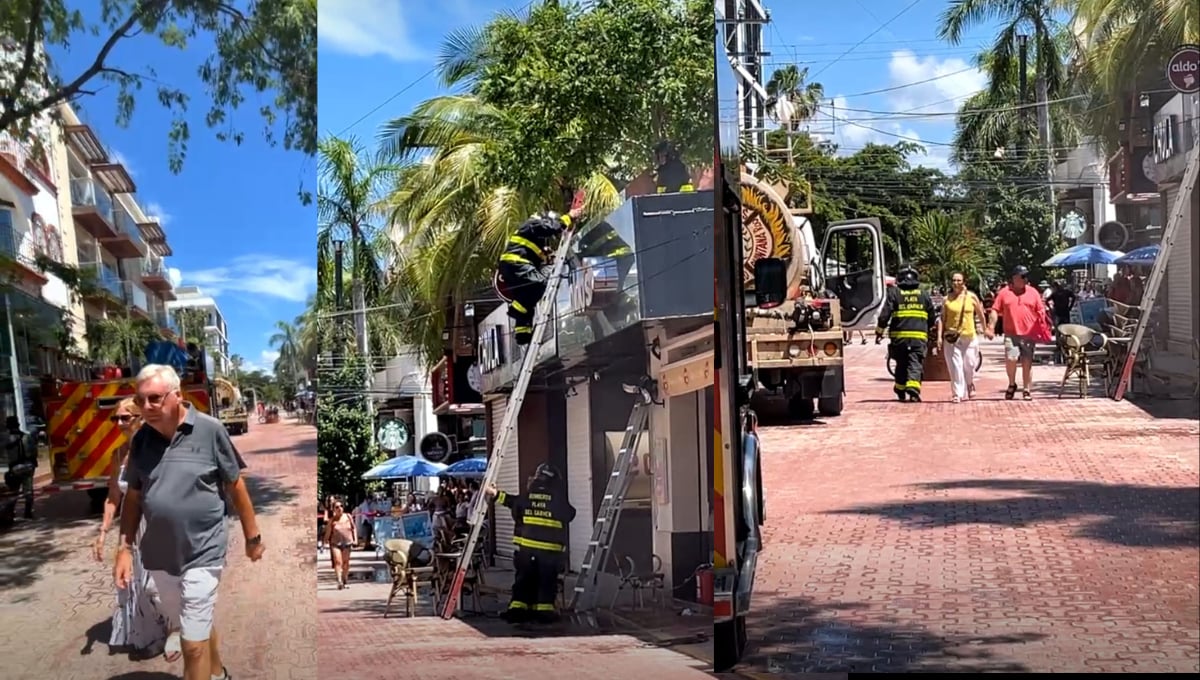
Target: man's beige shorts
<point>189,600</point>
<point>1016,348</point>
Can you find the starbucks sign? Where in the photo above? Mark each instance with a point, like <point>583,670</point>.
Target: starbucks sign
<point>392,434</point>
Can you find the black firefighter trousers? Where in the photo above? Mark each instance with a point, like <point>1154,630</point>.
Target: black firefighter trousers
<point>909,356</point>
<point>526,284</point>
<point>535,586</point>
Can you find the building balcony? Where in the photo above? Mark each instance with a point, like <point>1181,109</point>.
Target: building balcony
<point>155,275</point>
<point>108,284</point>
<point>92,206</point>
<point>17,162</point>
<point>15,259</point>
<point>136,298</point>
<point>128,243</point>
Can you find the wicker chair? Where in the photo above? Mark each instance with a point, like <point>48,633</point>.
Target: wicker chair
<point>407,580</point>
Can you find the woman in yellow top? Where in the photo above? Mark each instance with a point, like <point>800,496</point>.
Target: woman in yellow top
<point>961,313</point>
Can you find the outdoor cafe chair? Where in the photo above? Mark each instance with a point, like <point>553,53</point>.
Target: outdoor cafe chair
<point>1083,352</point>
<point>401,556</point>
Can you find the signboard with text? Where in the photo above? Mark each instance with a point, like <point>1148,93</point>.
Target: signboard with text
<point>1183,69</point>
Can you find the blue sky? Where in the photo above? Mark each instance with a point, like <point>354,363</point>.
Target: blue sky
<point>371,49</point>
<point>232,216</point>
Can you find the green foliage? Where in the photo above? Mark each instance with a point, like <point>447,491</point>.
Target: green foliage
<point>944,243</point>
<point>190,322</point>
<point>346,447</point>
<point>260,51</point>
<point>587,89</point>
<point>119,340</point>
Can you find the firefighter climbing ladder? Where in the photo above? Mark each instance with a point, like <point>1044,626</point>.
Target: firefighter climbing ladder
<point>542,317</point>
<point>610,506</point>
<point>1186,196</point>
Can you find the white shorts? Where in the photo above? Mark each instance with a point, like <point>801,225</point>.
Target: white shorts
<point>189,600</point>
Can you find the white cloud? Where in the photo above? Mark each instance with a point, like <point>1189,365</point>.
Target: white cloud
<point>956,80</point>
<point>265,361</point>
<point>364,28</point>
<point>262,275</point>
<point>156,212</point>
<point>175,276</point>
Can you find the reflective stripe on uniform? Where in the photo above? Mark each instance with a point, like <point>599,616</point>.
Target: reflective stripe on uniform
<point>913,385</point>
<point>537,545</point>
<point>522,241</point>
<point>662,190</point>
<point>517,604</point>
<point>686,188</point>
<point>898,387</point>
<point>618,252</point>
<point>513,257</point>
<point>543,607</point>
<point>500,497</point>
<point>543,522</point>
<point>523,329</point>
<point>909,335</point>
<point>518,306</point>
<point>912,314</point>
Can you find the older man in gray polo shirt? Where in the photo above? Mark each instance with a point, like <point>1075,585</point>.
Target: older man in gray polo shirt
<point>180,469</point>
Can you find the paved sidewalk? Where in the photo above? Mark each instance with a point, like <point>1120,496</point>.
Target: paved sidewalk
<point>56,601</point>
<point>1052,535</point>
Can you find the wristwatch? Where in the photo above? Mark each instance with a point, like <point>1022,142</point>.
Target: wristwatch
<point>254,540</point>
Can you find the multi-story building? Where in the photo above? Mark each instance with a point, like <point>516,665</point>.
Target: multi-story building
<point>68,211</point>
<point>216,337</point>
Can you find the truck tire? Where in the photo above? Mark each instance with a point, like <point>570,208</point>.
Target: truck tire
<point>831,407</point>
<point>729,643</point>
<point>96,498</point>
<point>800,408</point>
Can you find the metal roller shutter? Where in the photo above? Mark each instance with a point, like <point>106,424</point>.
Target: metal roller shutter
<point>507,479</point>
<point>1180,281</point>
<point>579,472</point>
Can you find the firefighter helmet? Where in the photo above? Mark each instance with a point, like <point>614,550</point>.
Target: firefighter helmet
<point>546,473</point>
<point>908,277</point>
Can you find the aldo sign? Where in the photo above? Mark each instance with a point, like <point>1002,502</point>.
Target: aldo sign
<point>1183,70</point>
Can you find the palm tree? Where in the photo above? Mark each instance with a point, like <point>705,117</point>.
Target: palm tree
<point>289,366</point>
<point>191,322</point>
<point>1123,43</point>
<point>1034,18</point>
<point>795,101</point>
<point>944,243</point>
<point>349,211</point>
<point>236,362</point>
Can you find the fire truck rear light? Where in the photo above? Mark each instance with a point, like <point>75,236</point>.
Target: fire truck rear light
<point>831,348</point>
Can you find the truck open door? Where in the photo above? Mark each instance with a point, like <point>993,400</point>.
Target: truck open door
<point>852,262</point>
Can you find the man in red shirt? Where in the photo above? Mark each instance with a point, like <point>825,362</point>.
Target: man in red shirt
<point>1021,307</point>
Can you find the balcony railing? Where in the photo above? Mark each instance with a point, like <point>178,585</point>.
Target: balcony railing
<point>23,157</point>
<point>106,278</point>
<point>135,296</point>
<point>127,226</point>
<point>154,266</point>
<point>86,192</point>
<point>10,247</point>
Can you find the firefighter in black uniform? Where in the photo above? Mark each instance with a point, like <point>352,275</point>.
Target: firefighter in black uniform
<point>670,174</point>
<point>520,267</point>
<point>908,315</point>
<point>541,518</point>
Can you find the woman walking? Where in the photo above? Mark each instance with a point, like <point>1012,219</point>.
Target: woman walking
<point>137,623</point>
<point>340,536</point>
<point>961,312</point>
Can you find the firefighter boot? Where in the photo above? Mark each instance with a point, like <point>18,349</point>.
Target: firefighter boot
<point>913,396</point>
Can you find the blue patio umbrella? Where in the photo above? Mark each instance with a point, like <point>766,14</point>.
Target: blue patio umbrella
<point>404,466</point>
<point>1146,255</point>
<point>1083,255</point>
<point>469,467</point>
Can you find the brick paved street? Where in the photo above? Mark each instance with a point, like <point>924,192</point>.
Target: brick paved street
<point>1054,535</point>
<point>56,601</point>
<point>357,642</point>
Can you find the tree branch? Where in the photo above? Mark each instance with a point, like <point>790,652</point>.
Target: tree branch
<point>32,37</point>
<point>70,90</point>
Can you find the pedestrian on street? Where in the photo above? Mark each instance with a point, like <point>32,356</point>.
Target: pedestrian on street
<point>179,471</point>
<point>908,316</point>
<point>962,312</point>
<point>541,518</point>
<point>22,462</point>
<point>341,537</point>
<point>137,624</point>
<point>1021,308</point>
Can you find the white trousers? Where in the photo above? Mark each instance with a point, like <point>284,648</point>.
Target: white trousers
<point>960,361</point>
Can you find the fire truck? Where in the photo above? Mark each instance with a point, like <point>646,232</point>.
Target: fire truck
<point>80,431</point>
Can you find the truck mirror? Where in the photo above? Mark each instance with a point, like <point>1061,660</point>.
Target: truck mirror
<point>770,282</point>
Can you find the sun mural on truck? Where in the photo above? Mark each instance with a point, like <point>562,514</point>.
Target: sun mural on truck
<point>767,228</point>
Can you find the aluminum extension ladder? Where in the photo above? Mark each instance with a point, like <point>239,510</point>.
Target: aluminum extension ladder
<point>1187,192</point>
<point>611,505</point>
<point>542,316</point>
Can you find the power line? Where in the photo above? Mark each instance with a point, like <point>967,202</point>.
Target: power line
<point>868,37</point>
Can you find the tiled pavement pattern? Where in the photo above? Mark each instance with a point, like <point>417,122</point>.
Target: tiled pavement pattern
<point>1052,535</point>
<point>357,642</point>
<point>56,601</point>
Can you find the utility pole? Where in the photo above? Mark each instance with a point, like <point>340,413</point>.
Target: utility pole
<point>1046,135</point>
<point>1023,79</point>
<point>744,21</point>
<point>335,355</point>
